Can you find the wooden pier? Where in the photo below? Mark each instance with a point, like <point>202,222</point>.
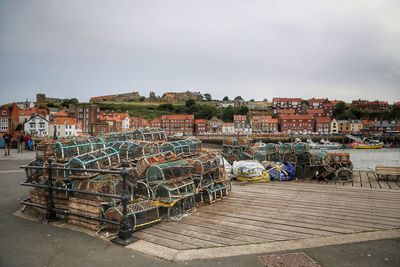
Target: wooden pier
<point>279,211</point>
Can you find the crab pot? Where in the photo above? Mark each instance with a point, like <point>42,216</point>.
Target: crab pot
<point>231,141</point>
<point>171,192</point>
<point>284,148</point>
<point>45,149</point>
<point>173,170</point>
<point>107,184</point>
<point>226,150</point>
<point>319,157</point>
<point>142,190</point>
<point>245,141</point>
<point>327,173</point>
<point>145,162</point>
<point>205,163</point>
<point>344,174</point>
<point>215,192</point>
<point>66,149</point>
<point>130,151</point>
<point>260,156</point>
<point>301,147</point>
<point>309,172</point>
<point>271,148</point>
<point>275,157</point>
<point>299,172</point>
<point>195,145</point>
<point>140,214</point>
<point>339,158</point>
<point>304,159</point>
<point>99,159</point>
<point>36,175</point>
<point>290,158</point>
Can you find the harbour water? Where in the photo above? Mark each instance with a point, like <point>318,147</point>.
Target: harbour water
<point>369,158</point>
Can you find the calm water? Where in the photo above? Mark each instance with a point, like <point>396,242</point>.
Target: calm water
<point>368,159</point>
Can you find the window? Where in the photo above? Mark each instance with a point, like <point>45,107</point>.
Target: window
<point>4,112</point>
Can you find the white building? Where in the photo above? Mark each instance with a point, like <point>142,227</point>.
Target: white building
<point>37,125</point>
<point>64,127</point>
<point>334,126</point>
<point>228,128</point>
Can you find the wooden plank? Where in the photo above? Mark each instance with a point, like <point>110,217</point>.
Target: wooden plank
<point>382,183</point>
<point>198,242</point>
<point>194,232</point>
<point>364,180</point>
<point>356,178</point>
<point>255,227</point>
<point>374,182</point>
<point>392,217</point>
<point>162,241</point>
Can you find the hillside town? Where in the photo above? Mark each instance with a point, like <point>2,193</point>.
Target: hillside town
<point>47,117</point>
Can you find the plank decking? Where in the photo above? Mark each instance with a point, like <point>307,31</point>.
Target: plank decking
<point>277,211</point>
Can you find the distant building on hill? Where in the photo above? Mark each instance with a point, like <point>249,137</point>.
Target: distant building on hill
<point>126,97</point>
<point>173,97</point>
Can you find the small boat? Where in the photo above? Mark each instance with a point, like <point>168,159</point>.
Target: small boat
<point>368,144</point>
<point>324,144</point>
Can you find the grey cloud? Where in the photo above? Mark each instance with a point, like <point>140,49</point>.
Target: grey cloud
<point>257,49</point>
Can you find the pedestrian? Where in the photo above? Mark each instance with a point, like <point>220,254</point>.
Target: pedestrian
<point>26,140</point>
<point>20,141</point>
<point>7,143</point>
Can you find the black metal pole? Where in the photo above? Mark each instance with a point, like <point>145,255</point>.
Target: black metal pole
<point>125,232</point>
<point>50,212</point>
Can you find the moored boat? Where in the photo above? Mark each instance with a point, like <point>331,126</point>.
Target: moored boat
<point>368,144</point>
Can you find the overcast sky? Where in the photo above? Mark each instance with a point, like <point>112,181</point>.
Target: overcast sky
<point>256,49</point>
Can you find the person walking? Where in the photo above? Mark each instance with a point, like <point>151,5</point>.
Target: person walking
<point>7,143</point>
<point>20,141</point>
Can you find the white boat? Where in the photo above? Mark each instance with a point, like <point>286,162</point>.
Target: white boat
<point>324,144</point>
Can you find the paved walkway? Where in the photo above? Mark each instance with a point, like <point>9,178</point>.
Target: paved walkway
<point>14,155</point>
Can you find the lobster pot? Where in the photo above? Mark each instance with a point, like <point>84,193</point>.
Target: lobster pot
<point>176,170</point>
<point>260,156</point>
<point>146,161</point>
<point>245,141</point>
<point>141,214</point>
<point>172,192</point>
<point>76,147</point>
<point>270,148</point>
<point>113,137</point>
<point>145,134</point>
<point>230,141</point>
<point>129,150</point>
<point>36,175</point>
<point>245,156</point>
<point>45,149</point>
<point>251,150</point>
<point>301,147</point>
<point>205,163</point>
<point>215,192</point>
<point>339,158</point>
<point>87,207</point>
<point>180,147</point>
<point>194,145</point>
<point>40,175</point>
<point>284,148</point>
<point>319,157</point>
<point>106,184</point>
<point>226,150</point>
<point>275,157</point>
<point>99,159</point>
<point>290,158</point>
<point>142,190</point>
<point>304,158</point>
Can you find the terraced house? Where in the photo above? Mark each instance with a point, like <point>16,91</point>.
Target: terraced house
<point>177,124</point>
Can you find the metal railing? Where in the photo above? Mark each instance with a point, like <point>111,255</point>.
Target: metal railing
<point>125,231</point>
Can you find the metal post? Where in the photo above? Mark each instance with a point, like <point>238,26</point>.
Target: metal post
<point>51,215</point>
<point>125,236</point>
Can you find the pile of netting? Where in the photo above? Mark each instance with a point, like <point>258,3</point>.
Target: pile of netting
<point>166,179</point>
<point>306,162</point>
